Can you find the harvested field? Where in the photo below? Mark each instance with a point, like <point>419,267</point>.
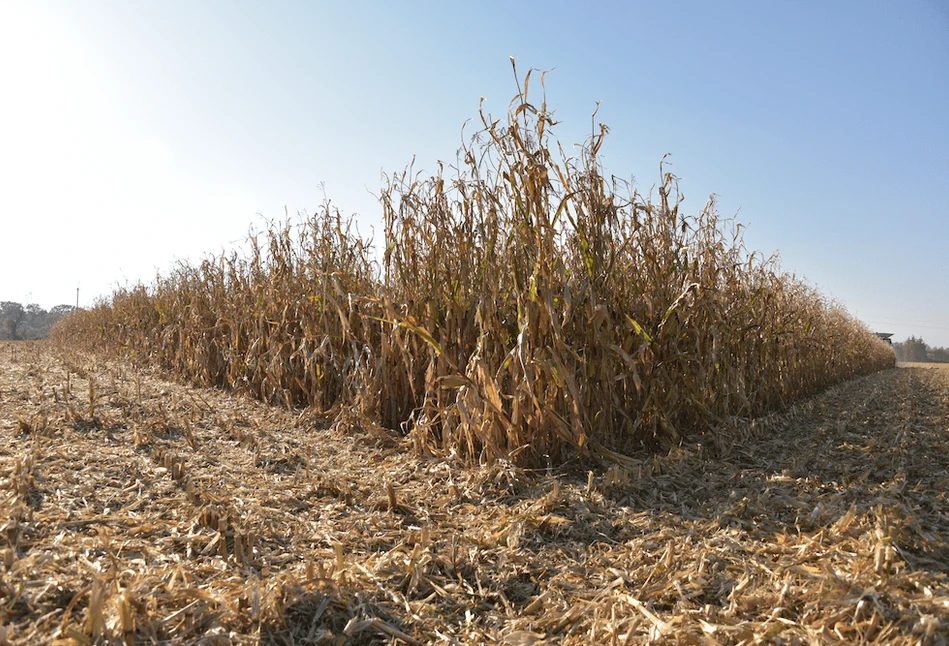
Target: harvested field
<point>934,366</point>
<point>138,510</point>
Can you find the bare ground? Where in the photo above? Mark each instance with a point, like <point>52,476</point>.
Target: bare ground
<point>137,510</point>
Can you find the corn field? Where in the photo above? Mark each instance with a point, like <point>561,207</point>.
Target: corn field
<point>527,306</point>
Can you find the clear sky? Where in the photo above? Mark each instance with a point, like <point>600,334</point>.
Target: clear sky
<point>134,134</point>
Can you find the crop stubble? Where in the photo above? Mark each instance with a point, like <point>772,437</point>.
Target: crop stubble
<point>140,510</point>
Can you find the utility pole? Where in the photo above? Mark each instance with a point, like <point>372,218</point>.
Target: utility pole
<point>77,298</point>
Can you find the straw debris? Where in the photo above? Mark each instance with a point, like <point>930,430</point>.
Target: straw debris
<point>827,523</point>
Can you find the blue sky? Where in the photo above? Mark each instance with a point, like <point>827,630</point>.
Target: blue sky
<point>137,133</point>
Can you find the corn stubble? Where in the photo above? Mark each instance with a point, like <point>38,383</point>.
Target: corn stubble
<point>528,307</point>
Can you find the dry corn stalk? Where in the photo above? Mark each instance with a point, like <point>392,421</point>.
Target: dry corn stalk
<point>529,307</point>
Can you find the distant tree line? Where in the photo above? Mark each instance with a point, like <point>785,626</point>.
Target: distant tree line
<point>28,322</point>
<point>916,350</point>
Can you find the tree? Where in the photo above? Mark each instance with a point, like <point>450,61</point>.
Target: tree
<point>915,350</point>
<point>30,322</point>
<point>34,325</point>
<point>12,315</point>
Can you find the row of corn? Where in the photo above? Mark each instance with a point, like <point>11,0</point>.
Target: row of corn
<point>526,306</point>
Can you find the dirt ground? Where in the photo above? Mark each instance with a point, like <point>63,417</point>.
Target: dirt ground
<point>137,510</point>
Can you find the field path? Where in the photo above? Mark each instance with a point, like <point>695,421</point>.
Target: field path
<point>137,510</point>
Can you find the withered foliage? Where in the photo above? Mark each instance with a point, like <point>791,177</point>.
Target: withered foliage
<point>527,308</point>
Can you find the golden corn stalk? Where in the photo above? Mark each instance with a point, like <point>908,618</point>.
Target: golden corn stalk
<point>528,307</point>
